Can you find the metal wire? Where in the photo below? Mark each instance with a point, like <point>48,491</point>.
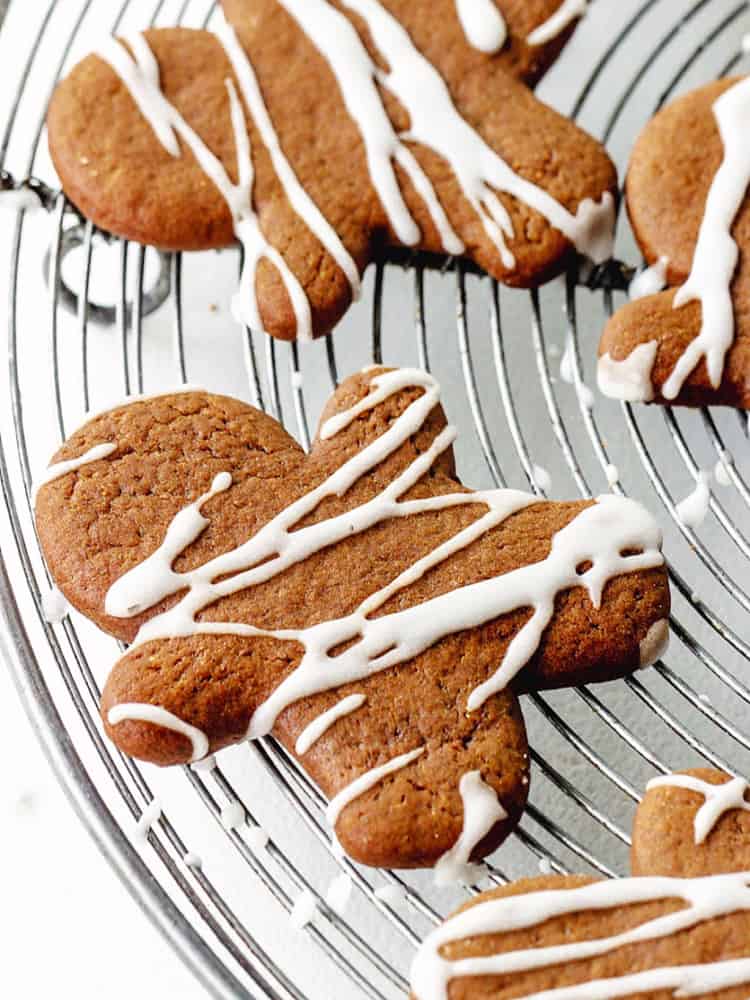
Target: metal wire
<point>494,351</point>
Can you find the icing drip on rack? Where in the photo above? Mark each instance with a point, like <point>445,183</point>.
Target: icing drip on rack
<point>693,509</point>
<point>435,123</point>
<point>716,253</point>
<point>139,74</point>
<point>719,799</point>
<point>482,811</point>
<point>566,13</point>
<point>483,24</point>
<point>705,898</point>
<point>595,539</point>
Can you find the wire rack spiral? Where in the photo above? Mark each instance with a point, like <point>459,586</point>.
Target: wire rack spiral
<point>113,320</point>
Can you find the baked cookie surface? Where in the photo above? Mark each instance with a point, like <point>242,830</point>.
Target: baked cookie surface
<point>650,937</point>
<point>317,133</point>
<point>686,194</point>
<point>359,602</point>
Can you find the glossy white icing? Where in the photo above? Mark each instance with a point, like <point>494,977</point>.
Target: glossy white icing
<point>542,478</point>
<point>718,799</point>
<point>721,469</point>
<point>693,509</point>
<point>390,894</point>
<point>303,910</point>
<point>95,454</point>
<point>232,815</point>
<point>483,24</point>
<point>650,280</point>
<point>339,892</point>
<point>567,12</point>
<point>54,606</point>
<point>705,898</point>
<point>655,643</point>
<point>138,76</point>
<point>20,199</point>
<point>716,253</point>
<point>435,123</point>
<point>630,378</point>
<point>367,781</point>
<point>135,712</point>
<point>482,811</point>
<point>147,819</point>
<point>312,732</point>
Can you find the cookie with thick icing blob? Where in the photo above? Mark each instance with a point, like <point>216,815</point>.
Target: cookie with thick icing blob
<point>358,602</point>
<point>686,195</point>
<point>318,133</point>
<point>680,928</point>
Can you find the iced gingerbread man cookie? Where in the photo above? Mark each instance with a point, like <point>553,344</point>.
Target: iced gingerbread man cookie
<point>358,602</point>
<point>317,134</point>
<point>654,936</point>
<point>686,194</point>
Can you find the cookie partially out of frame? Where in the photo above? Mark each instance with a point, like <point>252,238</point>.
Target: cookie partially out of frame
<point>651,937</point>
<point>686,195</point>
<point>359,602</point>
<point>449,153</point>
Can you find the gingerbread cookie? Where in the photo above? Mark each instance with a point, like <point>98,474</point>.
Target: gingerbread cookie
<point>359,602</point>
<point>692,823</point>
<point>318,133</point>
<point>687,201</point>
<point>655,936</point>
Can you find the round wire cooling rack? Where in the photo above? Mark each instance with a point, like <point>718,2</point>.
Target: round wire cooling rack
<point>112,320</point>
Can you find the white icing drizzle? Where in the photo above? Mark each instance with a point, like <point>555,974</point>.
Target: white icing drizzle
<point>54,606</point>
<point>21,199</point>
<point>706,898</point>
<point>146,820</point>
<point>59,469</point>
<point>542,478</point>
<point>367,781</point>
<point>693,509</point>
<point>322,723</point>
<point>716,253</point>
<point>134,712</point>
<point>655,643</point>
<point>303,910</point>
<point>650,280</point>
<point>719,799</point>
<point>137,76</point>
<point>298,197</point>
<point>232,815</point>
<point>745,44</point>
<point>390,894</point>
<point>339,891</point>
<point>483,24</point>
<point>630,378</point>
<point>435,123</point>
<point>193,860</point>
<point>337,40</point>
<point>568,11</point>
<point>567,361</point>
<point>721,469</point>
<point>257,839</point>
<point>613,474</point>
<point>597,536</point>
<point>482,811</point>
<point>204,764</point>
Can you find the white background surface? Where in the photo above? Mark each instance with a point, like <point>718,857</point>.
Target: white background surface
<point>68,927</point>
